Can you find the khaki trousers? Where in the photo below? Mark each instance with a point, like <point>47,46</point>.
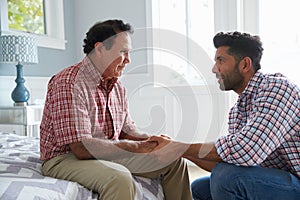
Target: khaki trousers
<point>114,181</point>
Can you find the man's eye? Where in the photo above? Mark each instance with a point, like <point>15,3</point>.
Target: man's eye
<point>221,60</point>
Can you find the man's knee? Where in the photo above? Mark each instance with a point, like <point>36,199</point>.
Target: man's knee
<point>230,180</point>
<point>117,179</point>
<point>201,188</point>
<point>120,178</point>
<point>119,185</point>
<point>224,172</point>
<point>222,175</point>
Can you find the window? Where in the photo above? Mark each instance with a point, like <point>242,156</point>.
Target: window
<point>48,26</point>
<point>281,39</point>
<point>190,24</point>
<point>197,21</point>
<point>26,16</point>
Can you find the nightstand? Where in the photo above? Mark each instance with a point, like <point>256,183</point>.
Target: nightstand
<point>21,120</point>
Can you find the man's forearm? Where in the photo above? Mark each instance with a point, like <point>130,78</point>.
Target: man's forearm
<point>202,152</point>
<point>203,164</point>
<point>96,148</point>
<point>134,135</point>
<point>108,149</point>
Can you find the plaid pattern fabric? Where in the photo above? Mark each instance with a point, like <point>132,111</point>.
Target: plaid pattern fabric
<point>264,125</point>
<point>80,105</point>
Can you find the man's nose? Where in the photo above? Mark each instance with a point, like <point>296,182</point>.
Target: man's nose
<point>127,58</point>
<point>215,69</point>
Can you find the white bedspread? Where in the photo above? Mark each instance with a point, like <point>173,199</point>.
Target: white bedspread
<point>20,176</point>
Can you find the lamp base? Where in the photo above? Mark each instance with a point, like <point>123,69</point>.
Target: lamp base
<point>20,94</point>
<point>20,104</point>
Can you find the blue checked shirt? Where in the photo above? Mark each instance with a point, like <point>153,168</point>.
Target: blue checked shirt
<point>264,125</point>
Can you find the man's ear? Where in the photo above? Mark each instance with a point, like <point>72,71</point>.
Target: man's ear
<point>246,64</point>
<point>98,46</point>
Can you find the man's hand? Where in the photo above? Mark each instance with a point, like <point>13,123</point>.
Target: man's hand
<point>161,141</point>
<point>146,146</point>
<point>167,149</point>
<point>165,136</point>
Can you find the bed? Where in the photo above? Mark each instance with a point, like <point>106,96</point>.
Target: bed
<point>21,178</point>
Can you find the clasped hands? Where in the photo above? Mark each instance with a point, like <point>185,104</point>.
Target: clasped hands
<point>153,143</point>
<point>163,148</point>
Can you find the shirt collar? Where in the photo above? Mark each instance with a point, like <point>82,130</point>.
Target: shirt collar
<point>108,85</point>
<point>253,83</point>
<point>96,76</point>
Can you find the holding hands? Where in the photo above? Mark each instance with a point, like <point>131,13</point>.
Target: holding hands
<point>163,148</point>
<point>167,150</point>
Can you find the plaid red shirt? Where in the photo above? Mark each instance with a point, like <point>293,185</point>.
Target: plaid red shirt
<point>80,105</point>
<point>264,125</point>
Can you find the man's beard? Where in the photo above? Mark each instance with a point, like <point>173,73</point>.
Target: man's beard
<point>233,80</point>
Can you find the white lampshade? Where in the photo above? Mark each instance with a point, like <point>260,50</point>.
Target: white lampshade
<point>18,49</point>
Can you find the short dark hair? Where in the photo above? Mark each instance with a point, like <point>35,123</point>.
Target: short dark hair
<point>104,32</point>
<point>241,45</point>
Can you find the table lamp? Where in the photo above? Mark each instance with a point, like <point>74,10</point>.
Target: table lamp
<point>19,49</point>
